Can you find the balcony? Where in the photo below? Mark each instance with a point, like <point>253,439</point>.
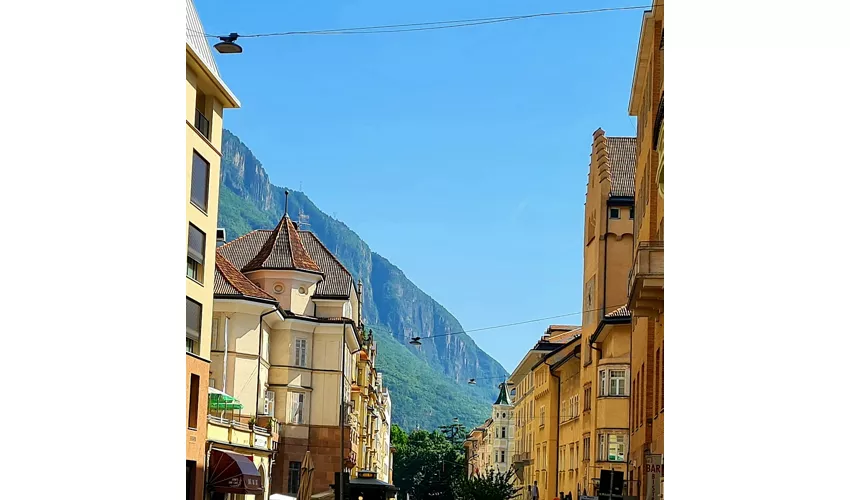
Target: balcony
<point>237,431</point>
<point>202,123</point>
<point>646,280</point>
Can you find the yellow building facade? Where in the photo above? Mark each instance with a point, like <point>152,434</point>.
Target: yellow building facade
<point>609,237</point>
<point>535,443</point>
<point>373,407</point>
<point>646,278</point>
<point>207,97</point>
<point>573,392</point>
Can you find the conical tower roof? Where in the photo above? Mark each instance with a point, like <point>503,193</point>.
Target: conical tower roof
<point>283,250</point>
<point>503,395</point>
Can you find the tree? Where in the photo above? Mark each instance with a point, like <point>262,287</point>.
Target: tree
<point>426,464</point>
<point>490,486</point>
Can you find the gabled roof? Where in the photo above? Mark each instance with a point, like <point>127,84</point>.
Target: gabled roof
<point>503,396</point>
<point>283,250</point>
<point>338,281</point>
<point>621,161</point>
<point>229,282</point>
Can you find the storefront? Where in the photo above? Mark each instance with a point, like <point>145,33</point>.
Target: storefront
<point>231,475</point>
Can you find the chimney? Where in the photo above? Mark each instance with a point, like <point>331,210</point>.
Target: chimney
<point>220,237</point>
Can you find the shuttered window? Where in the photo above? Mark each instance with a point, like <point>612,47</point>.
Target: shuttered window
<point>195,254</point>
<point>200,181</point>
<point>193,324</point>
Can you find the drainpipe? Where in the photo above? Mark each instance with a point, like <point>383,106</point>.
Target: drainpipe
<point>342,415</point>
<point>207,452</point>
<point>260,357</point>
<point>224,371</point>
<point>558,425</point>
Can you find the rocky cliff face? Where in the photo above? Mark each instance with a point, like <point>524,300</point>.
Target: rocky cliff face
<point>393,304</point>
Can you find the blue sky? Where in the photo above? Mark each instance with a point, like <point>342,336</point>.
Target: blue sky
<point>461,155</point>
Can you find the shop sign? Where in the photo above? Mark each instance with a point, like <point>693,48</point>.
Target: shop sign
<point>654,468</point>
<point>261,441</point>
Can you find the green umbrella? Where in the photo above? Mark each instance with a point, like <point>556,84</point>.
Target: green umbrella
<point>219,401</point>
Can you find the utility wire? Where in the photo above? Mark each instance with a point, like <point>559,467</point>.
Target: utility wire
<point>434,25</point>
<point>507,324</point>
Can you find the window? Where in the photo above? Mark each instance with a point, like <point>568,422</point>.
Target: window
<point>296,415</point>
<point>542,416</point>
<point>504,432</point>
<point>641,378</point>
<point>268,403</point>
<point>202,123</point>
<point>193,326</point>
<point>194,393</point>
<point>614,213</point>
<point>200,182</point>
<point>586,451</point>
<point>294,476</point>
<point>191,465</point>
<point>657,380</point>
<point>612,381</point>
<point>612,447</point>
<point>589,287</point>
<point>631,213</point>
<point>301,352</point>
<point>587,392</point>
<point>196,251</point>
<point>212,382</point>
<point>265,344</point>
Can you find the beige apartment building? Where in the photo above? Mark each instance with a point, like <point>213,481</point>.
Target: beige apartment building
<point>207,97</point>
<point>287,344</point>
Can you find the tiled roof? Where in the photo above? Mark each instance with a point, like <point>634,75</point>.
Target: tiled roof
<point>338,280</point>
<point>620,312</point>
<point>229,282</point>
<point>621,161</point>
<point>283,250</point>
<point>244,248</point>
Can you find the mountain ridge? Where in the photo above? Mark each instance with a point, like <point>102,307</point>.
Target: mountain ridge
<point>431,378</point>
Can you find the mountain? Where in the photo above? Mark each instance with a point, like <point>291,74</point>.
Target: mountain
<point>428,383</point>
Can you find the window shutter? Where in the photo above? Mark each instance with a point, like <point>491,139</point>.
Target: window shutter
<point>197,244</point>
<point>193,319</point>
<point>200,181</point>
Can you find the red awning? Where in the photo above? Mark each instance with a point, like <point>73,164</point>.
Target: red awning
<point>233,473</point>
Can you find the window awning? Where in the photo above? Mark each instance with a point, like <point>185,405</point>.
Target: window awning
<point>219,401</point>
<point>233,473</point>
<point>357,483</point>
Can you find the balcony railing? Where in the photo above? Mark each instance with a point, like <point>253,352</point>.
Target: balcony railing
<point>202,123</point>
<point>646,279</point>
